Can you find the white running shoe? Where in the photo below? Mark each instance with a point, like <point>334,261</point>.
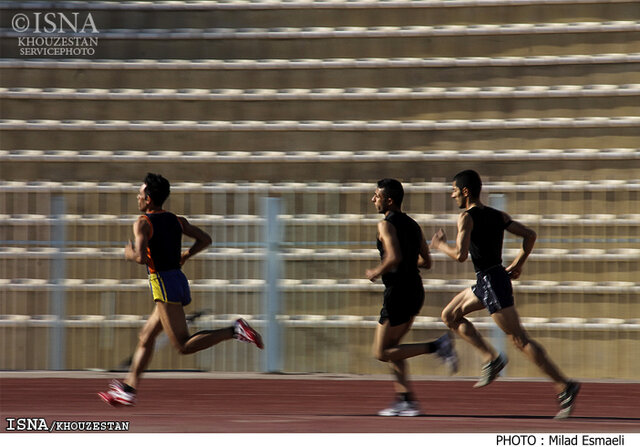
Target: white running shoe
<point>401,408</point>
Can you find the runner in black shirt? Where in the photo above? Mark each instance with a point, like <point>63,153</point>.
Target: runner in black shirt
<point>403,250</point>
<point>480,232</point>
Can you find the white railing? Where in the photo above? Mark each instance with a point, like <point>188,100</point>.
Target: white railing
<point>172,157</point>
<point>181,5</point>
<point>333,63</point>
<point>52,187</point>
<point>609,220</point>
<point>303,254</point>
<point>322,125</point>
<point>344,94</point>
<point>507,29</point>
<point>310,285</point>
<point>322,321</point>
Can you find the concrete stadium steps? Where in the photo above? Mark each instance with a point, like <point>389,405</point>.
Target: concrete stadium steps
<point>236,264</point>
<point>580,352</point>
<point>329,42</point>
<point>496,102</point>
<point>242,14</point>
<point>325,231</point>
<point>616,197</point>
<point>496,134</point>
<point>515,165</point>
<point>448,72</point>
<point>588,348</point>
<point>97,342</point>
<point>574,301</point>
<point>326,297</point>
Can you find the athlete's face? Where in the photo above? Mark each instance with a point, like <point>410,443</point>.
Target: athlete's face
<point>143,201</point>
<point>458,196</point>
<point>380,201</point>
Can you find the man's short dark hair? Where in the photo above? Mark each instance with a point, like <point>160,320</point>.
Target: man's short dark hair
<point>392,189</point>
<point>469,179</point>
<point>157,187</point>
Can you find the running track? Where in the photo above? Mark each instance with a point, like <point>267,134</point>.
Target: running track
<point>318,404</point>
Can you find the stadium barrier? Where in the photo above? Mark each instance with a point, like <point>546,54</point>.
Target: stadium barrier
<point>182,5</point>
<point>322,125</point>
<point>356,32</point>
<point>310,63</point>
<point>389,93</point>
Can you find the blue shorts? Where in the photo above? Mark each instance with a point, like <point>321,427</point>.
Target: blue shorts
<point>494,289</point>
<point>170,286</point>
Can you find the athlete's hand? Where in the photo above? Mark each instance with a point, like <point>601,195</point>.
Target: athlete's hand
<point>439,237</point>
<point>514,271</point>
<point>184,256</point>
<point>372,274</point>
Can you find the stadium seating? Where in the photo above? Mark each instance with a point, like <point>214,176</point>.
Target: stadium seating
<point>312,101</point>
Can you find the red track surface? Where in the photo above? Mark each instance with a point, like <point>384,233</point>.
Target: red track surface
<point>302,405</point>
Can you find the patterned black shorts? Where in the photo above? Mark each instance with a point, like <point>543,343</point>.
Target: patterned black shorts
<point>494,289</point>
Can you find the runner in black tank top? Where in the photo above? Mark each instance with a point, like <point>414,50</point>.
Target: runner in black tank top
<point>402,251</point>
<point>486,237</point>
<point>404,292</point>
<point>480,233</point>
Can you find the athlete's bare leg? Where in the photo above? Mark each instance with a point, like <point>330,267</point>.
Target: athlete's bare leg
<point>145,348</point>
<point>453,316</point>
<point>174,324</point>
<point>509,321</point>
<point>386,348</point>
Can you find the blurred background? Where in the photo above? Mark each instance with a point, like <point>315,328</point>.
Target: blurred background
<point>273,119</point>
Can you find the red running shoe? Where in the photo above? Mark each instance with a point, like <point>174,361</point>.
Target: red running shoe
<point>243,332</point>
<point>117,395</point>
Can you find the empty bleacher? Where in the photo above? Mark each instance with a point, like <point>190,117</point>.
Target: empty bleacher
<point>312,101</point>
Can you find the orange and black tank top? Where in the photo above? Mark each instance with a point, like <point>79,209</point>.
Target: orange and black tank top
<point>165,241</point>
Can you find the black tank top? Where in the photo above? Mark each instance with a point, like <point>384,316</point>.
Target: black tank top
<point>165,243</point>
<point>409,233</point>
<point>486,237</point>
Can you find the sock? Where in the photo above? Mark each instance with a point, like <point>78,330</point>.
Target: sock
<point>407,397</point>
<point>129,389</point>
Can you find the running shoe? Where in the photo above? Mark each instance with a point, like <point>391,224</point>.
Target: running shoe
<point>243,332</point>
<point>447,353</point>
<point>566,400</point>
<point>491,370</point>
<point>401,408</point>
<point>117,395</point>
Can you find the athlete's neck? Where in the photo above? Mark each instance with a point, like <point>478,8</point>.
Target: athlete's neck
<point>154,210</point>
<point>392,210</point>
<point>473,204</point>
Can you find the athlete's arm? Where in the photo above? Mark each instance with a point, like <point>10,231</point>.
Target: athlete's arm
<point>528,240</point>
<point>392,255</point>
<point>460,251</point>
<point>202,239</point>
<point>136,251</point>
<point>424,257</point>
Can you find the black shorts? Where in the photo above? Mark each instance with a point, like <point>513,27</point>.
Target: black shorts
<point>494,289</point>
<point>402,303</point>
